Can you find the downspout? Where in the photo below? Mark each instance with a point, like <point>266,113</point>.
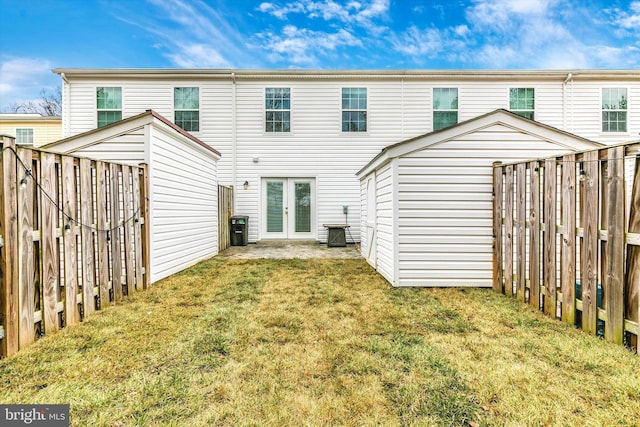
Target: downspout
<point>65,117</point>
<point>234,141</point>
<point>566,126</point>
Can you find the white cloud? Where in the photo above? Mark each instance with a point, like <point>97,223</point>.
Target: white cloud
<point>304,47</point>
<point>353,12</point>
<point>196,36</point>
<point>627,19</point>
<point>22,79</point>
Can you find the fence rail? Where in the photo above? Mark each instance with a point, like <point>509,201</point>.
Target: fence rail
<point>73,239</point>
<point>225,211</point>
<point>567,238</point>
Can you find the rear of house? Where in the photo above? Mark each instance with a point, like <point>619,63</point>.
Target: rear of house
<point>293,140</point>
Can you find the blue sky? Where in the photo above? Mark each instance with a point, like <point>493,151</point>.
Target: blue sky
<point>38,35</point>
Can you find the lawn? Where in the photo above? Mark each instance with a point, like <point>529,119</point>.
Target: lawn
<point>322,342</point>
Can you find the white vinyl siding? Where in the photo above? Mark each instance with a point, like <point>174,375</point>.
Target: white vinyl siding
<point>384,206</point>
<point>398,108</point>
<point>184,195</point>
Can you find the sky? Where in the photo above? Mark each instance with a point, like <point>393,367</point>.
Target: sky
<point>39,35</point>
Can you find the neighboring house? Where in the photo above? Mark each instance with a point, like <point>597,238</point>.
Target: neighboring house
<point>293,140</point>
<point>31,129</point>
<point>427,202</point>
<point>183,184</point>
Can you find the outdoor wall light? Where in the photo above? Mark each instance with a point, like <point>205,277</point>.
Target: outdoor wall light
<point>246,185</point>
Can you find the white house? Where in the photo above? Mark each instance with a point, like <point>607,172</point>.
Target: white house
<point>183,184</point>
<point>427,207</point>
<point>293,140</point>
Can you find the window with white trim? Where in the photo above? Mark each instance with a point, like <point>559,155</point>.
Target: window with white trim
<point>354,109</point>
<point>445,107</point>
<point>109,105</point>
<point>277,106</point>
<point>614,110</point>
<point>186,108</point>
<point>24,136</point>
<point>522,101</point>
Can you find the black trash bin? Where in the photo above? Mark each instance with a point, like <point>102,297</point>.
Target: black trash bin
<point>239,230</point>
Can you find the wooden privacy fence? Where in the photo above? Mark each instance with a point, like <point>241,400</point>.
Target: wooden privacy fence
<point>225,211</point>
<point>73,239</point>
<point>567,238</point>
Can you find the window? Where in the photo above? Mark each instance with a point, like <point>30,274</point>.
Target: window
<point>354,109</point>
<point>186,107</point>
<point>445,107</point>
<point>24,136</point>
<point>522,101</point>
<point>614,110</point>
<point>277,104</point>
<point>109,102</point>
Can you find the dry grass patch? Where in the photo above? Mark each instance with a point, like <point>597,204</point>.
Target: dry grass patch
<point>322,342</point>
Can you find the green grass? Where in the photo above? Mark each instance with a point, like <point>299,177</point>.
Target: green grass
<point>322,342</point>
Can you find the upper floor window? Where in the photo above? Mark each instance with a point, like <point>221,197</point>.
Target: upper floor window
<point>24,136</point>
<point>445,107</point>
<point>614,110</point>
<point>522,101</point>
<point>109,102</point>
<point>186,107</point>
<point>277,105</point>
<point>354,109</point>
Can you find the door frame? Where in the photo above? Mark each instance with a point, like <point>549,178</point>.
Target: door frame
<point>288,202</point>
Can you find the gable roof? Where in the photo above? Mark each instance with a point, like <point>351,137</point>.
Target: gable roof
<point>497,117</point>
<point>98,135</point>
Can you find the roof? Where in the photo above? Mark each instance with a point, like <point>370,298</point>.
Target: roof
<point>231,74</point>
<point>118,128</point>
<point>28,117</point>
<point>499,116</point>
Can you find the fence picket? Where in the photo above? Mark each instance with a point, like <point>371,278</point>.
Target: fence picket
<point>568,248</point>
<point>88,257</point>
<point>534,235</point>
<point>101,234</point>
<point>549,277</point>
<point>49,249</point>
<point>498,279</point>
<point>632,286</point>
<point>26,254</point>
<point>508,232</point>
<point>589,270</point>
<point>69,236</point>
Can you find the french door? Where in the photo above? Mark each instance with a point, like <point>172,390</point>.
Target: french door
<point>288,208</point>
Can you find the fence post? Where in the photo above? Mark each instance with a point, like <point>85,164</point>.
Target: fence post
<point>8,252</point>
<point>146,225</point>
<point>49,249</point>
<point>497,227</point>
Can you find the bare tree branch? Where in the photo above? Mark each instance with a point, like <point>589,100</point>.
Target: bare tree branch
<point>49,104</point>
